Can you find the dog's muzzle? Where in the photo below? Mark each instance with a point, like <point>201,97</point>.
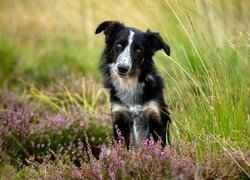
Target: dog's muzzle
<point>123,69</point>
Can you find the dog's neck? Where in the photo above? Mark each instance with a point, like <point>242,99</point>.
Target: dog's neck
<point>128,89</point>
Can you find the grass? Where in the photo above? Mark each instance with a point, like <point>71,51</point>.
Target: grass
<point>49,52</point>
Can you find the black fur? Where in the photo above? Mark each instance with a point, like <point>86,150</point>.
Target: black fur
<point>152,84</point>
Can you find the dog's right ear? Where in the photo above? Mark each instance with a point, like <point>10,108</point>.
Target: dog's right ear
<point>110,28</point>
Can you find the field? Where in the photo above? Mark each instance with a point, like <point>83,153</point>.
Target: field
<point>54,112</point>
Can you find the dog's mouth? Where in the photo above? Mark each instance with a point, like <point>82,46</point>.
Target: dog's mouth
<point>122,75</point>
<point>129,74</point>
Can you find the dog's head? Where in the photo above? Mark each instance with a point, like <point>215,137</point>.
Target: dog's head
<point>130,47</point>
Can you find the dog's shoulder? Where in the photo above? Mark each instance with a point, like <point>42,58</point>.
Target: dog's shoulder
<point>152,80</point>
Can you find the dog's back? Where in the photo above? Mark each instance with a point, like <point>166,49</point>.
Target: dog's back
<point>136,89</point>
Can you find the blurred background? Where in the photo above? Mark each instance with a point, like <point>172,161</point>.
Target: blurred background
<point>41,40</point>
<point>50,85</point>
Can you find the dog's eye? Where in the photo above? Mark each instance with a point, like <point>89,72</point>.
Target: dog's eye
<point>119,45</point>
<point>138,50</point>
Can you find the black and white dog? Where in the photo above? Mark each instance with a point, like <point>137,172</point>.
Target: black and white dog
<point>136,89</point>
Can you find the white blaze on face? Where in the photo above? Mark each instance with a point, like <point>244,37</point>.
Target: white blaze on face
<point>125,57</point>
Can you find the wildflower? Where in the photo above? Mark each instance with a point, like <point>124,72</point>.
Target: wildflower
<point>76,173</point>
<point>112,175</point>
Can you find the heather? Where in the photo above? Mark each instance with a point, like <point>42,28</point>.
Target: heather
<point>26,132</point>
<point>73,143</point>
<point>55,114</point>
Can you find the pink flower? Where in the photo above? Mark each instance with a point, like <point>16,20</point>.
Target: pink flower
<point>112,175</point>
<point>76,174</point>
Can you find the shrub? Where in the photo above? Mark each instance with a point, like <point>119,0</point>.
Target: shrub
<point>25,133</point>
<point>150,161</point>
<point>15,118</point>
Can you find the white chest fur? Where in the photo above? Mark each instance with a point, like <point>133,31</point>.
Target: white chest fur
<point>138,115</point>
<point>128,89</point>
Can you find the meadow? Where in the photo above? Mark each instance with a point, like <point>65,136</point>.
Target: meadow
<point>55,114</point>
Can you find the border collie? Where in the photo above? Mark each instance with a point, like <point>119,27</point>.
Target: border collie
<point>138,108</point>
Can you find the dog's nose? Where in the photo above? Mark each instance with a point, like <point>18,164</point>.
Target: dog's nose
<point>123,69</point>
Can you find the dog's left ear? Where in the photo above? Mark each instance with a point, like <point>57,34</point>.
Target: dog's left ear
<point>157,42</point>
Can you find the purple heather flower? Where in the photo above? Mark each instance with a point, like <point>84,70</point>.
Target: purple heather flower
<point>173,173</point>
<point>101,177</point>
<point>80,145</point>
<point>76,173</point>
<point>112,175</point>
<point>58,118</point>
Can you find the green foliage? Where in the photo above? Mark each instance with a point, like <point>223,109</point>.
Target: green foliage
<point>8,59</point>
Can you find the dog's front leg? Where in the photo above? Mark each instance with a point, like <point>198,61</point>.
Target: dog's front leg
<point>140,128</point>
<point>120,118</point>
<point>153,116</point>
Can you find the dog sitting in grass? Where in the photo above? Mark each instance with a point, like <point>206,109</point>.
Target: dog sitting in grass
<point>138,108</point>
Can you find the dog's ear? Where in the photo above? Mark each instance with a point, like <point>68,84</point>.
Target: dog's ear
<point>110,28</point>
<point>157,43</point>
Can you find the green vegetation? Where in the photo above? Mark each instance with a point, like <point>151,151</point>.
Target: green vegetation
<point>49,58</point>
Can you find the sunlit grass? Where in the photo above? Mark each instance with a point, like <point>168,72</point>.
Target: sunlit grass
<point>85,92</point>
<point>211,86</point>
